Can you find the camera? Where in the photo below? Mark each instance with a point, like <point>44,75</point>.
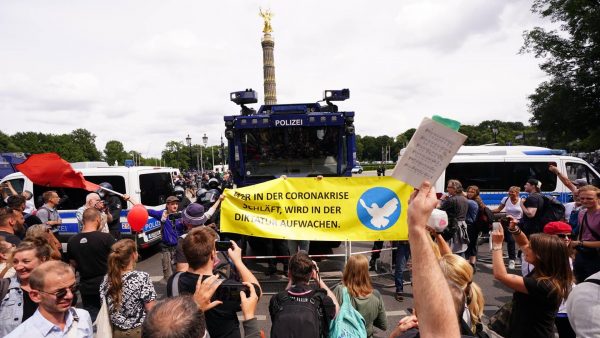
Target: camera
<point>229,291</point>
<point>174,217</point>
<point>505,221</point>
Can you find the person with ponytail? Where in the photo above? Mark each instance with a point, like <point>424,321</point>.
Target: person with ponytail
<point>129,294</point>
<point>458,271</point>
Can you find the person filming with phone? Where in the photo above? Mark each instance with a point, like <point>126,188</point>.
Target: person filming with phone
<point>200,250</point>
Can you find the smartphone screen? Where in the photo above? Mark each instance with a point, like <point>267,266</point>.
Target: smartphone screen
<point>223,245</point>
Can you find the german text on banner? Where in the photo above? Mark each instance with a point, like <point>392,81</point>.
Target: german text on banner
<point>330,209</point>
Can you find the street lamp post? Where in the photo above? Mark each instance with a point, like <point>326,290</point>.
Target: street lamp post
<point>188,139</point>
<point>204,141</point>
<point>222,152</point>
<point>495,133</point>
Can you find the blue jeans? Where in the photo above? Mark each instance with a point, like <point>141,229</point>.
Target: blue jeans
<point>402,255</point>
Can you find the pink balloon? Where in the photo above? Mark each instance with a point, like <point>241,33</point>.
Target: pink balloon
<point>137,217</point>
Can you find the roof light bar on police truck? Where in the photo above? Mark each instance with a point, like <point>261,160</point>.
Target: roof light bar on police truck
<point>336,95</point>
<point>245,97</point>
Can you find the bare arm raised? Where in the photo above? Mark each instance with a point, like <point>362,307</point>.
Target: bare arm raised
<point>433,301</point>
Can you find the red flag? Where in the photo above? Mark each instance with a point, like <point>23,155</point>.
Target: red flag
<point>50,170</point>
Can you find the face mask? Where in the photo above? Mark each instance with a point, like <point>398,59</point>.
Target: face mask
<point>102,194</point>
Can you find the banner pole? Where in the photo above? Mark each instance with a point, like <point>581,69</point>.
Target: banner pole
<point>348,251</point>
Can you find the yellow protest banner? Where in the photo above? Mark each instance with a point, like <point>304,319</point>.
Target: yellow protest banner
<point>328,209</point>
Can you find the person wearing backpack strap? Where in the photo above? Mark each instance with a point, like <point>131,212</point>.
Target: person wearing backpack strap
<point>47,213</point>
<point>200,252</point>
<point>301,311</point>
<point>532,207</point>
<point>587,259</point>
<point>366,300</point>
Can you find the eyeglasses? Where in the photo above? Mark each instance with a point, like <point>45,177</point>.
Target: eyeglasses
<point>586,198</point>
<point>62,293</point>
<point>563,236</point>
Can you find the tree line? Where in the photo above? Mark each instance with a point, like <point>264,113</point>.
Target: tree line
<point>80,146</point>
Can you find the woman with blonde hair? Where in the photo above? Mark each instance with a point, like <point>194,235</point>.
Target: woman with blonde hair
<point>43,231</point>
<point>366,300</point>
<point>17,306</point>
<point>129,294</point>
<point>6,268</point>
<point>511,204</point>
<point>459,271</point>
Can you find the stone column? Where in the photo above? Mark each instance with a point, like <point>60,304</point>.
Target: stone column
<point>269,69</point>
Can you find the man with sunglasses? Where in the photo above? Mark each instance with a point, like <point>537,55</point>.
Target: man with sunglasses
<point>53,286</point>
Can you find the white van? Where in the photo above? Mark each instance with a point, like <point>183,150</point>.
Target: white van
<point>147,185</point>
<point>496,168</point>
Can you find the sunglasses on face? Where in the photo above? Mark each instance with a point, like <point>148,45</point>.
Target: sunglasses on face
<point>563,236</point>
<point>62,293</point>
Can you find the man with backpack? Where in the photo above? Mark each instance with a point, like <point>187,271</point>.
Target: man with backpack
<point>200,251</point>
<point>300,310</point>
<point>532,207</point>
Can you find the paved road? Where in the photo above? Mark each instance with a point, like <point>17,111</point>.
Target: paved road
<point>495,294</point>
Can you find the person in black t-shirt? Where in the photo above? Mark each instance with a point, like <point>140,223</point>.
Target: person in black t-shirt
<point>200,252</point>
<point>537,295</point>
<point>532,207</point>
<point>88,253</point>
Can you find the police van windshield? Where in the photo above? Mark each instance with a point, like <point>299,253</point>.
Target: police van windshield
<point>298,151</point>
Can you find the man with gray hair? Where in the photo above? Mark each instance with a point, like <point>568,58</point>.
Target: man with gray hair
<point>175,317</point>
<point>53,286</point>
<point>93,200</point>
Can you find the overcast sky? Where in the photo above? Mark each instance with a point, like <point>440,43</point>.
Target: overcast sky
<point>150,71</point>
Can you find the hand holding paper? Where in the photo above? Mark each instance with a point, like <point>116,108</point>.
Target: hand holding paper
<point>429,152</point>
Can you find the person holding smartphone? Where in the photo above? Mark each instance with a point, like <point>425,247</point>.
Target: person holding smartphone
<point>199,248</point>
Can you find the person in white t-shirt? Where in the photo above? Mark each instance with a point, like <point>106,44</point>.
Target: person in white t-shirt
<point>511,205</point>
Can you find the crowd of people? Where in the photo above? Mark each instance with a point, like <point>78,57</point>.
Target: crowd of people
<point>208,283</point>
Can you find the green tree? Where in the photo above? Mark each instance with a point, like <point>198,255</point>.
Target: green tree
<point>7,144</point>
<point>86,143</point>
<point>114,151</point>
<point>176,155</point>
<point>566,107</point>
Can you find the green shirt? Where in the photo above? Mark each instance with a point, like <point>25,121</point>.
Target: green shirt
<point>370,307</point>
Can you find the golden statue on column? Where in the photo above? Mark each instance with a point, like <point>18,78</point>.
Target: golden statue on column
<point>267,15</point>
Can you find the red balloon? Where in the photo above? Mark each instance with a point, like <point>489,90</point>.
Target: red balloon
<point>137,217</point>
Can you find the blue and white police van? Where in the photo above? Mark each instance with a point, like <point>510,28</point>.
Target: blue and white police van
<point>494,169</point>
<point>147,185</point>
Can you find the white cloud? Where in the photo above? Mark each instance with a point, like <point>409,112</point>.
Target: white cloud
<point>147,71</point>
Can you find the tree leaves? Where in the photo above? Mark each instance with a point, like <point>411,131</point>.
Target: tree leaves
<point>566,108</point>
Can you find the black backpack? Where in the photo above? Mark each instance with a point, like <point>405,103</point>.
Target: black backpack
<point>298,316</point>
<point>552,211</point>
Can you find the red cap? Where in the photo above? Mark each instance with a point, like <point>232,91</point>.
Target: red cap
<point>554,228</point>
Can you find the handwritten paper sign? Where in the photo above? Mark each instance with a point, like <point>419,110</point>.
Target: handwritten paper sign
<point>429,152</point>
